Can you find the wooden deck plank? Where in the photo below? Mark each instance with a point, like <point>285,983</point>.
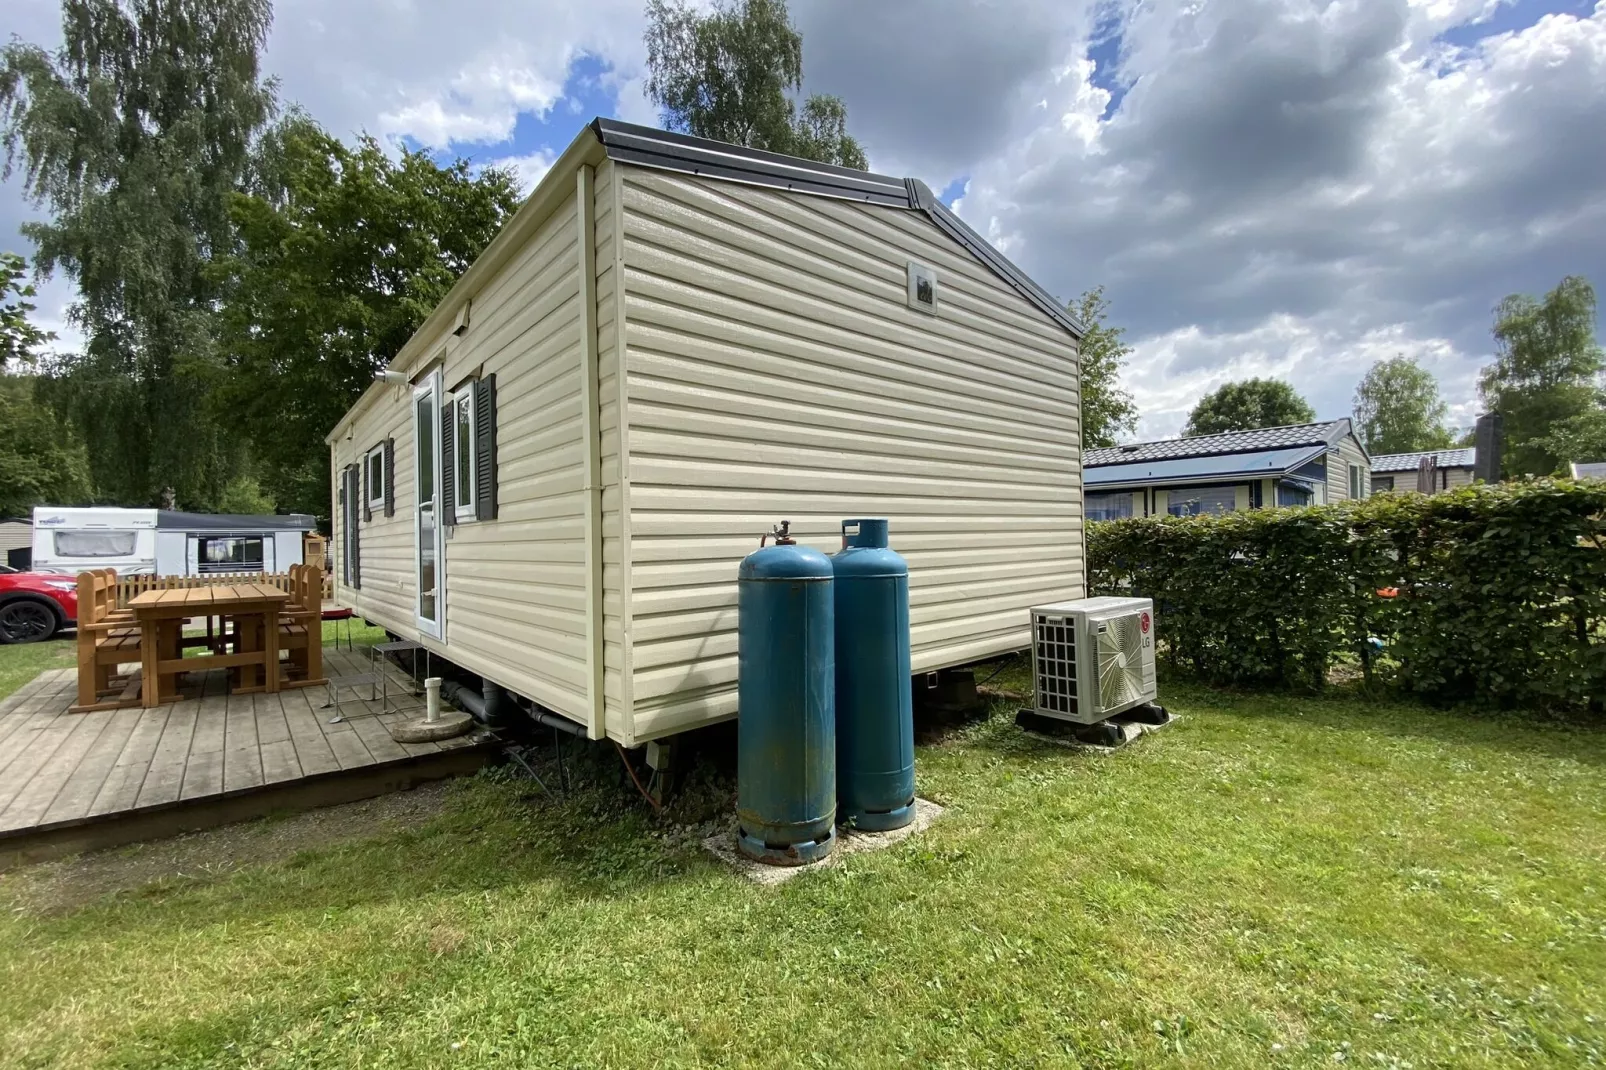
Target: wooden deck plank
<point>302,717</point>
<point>203,775</point>
<point>279,762</point>
<point>42,712</point>
<point>376,737</point>
<point>121,790</point>
<point>165,777</point>
<point>348,747</point>
<point>83,784</point>
<point>47,728</point>
<point>59,769</point>
<point>34,797</point>
<point>242,751</point>
<point>271,724</point>
<point>203,771</point>
<point>17,707</point>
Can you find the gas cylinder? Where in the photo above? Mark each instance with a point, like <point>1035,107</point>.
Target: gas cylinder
<point>786,695</point>
<point>875,734</point>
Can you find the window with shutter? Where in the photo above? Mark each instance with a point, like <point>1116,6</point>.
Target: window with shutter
<point>464,454</point>
<point>485,448</point>
<point>448,426</point>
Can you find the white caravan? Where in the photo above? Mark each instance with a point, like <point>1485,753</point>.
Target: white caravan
<point>68,541</point>
<point>164,542</point>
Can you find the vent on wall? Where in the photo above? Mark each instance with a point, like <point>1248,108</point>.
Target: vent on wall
<point>922,287</point>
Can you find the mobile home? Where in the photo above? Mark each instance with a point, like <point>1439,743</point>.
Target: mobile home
<point>165,542</point>
<point>672,345</point>
<point>1300,464</point>
<point>1401,471</point>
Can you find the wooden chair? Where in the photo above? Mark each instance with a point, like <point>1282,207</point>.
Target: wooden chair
<point>301,626</point>
<point>107,638</point>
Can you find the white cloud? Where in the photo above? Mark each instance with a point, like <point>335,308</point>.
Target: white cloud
<point>1292,188</point>
<point>529,169</point>
<point>443,72</point>
<point>1171,371</point>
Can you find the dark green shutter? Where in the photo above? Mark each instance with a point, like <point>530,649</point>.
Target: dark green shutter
<point>355,483</point>
<point>446,500</point>
<point>390,477</point>
<point>485,448</point>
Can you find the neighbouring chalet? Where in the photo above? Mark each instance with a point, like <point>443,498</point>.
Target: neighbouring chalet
<point>1303,464</point>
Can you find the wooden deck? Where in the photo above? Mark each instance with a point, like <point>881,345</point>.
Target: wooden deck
<point>73,782</point>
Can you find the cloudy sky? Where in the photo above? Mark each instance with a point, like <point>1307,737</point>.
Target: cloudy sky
<point>1264,187</point>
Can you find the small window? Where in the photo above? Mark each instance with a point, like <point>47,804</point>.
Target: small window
<point>1196,500</point>
<point>922,287</point>
<point>1291,493</point>
<point>229,553</point>
<point>94,543</point>
<point>1382,483</point>
<point>375,462</point>
<point>463,453</point>
<point>1354,481</point>
<point>1108,506</point>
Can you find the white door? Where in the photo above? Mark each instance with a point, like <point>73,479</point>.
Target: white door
<point>427,529</point>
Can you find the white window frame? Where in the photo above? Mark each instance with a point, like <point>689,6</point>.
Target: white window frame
<point>463,505</point>
<point>1355,489</point>
<point>430,388</point>
<point>376,487</point>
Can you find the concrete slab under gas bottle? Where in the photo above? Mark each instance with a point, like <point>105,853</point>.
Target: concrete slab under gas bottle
<point>848,841</point>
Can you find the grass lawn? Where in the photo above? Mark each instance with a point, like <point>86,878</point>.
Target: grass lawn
<point>22,662</point>
<point>1272,881</point>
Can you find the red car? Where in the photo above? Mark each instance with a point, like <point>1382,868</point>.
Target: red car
<point>35,606</point>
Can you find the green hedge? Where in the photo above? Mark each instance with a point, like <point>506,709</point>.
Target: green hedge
<point>1501,590</point>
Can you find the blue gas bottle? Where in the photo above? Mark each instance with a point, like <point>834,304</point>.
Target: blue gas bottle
<point>875,734</point>
<point>786,694</point>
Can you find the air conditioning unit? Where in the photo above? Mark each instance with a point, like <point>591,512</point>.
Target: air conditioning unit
<point>1092,658</point>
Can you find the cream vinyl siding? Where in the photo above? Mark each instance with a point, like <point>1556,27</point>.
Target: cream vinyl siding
<point>609,392</point>
<point>775,371</point>
<point>1446,479</point>
<point>385,544</point>
<point>515,586</point>
<point>14,535</point>
<point>1344,453</point>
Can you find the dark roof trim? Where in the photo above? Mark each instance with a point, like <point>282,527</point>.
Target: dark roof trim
<point>957,229</point>
<point>649,147</point>
<point>645,146</point>
<point>172,520</point>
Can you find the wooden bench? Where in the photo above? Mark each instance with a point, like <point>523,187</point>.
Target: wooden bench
<point>107,638</point>
<point>301,628</point>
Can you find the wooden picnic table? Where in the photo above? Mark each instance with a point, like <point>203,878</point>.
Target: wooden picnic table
<point>255,608</point>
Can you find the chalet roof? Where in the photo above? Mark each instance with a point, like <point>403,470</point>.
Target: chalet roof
<point>1408,462</point>
<point>1225,444</point>
<point>647,146</point>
